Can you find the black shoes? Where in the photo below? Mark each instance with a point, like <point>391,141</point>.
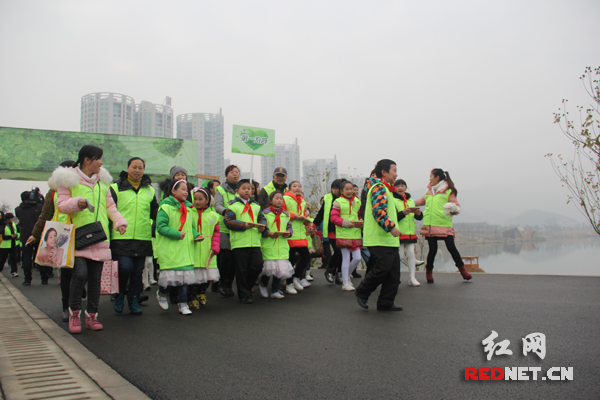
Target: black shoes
<point>362,302</point>
<point>225,291</point>
<point>338,279</point>
<point>45,282</point>
<point>356,274</point>
<point>392,308</point>
<point>247,300</point>
<point>26,283</point>
<point>141,298</point>
<point>215,286</point>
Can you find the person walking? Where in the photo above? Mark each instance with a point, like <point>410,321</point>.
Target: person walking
<point>83,192</point>
<point>28,213</point>
<point>8,247</point>
<point>381,235</point>
<point>278,183</point>
<point>175,247</point>
<point>225,193</point>
<point>407,214</point>
<point>348,224</point>
<point>440,206</point>
<point>135,199</point>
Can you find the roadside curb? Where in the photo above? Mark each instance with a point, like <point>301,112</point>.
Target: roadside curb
<point>113,384</point>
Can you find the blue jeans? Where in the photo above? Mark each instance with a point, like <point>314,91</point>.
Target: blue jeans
<point>182,291</point>
<point>130,271</point>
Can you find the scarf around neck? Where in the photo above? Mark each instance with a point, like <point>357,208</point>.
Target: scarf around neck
<point>183,211</point>
<point>277,216</point>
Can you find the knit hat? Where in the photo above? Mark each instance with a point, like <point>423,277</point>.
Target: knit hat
<point>175,170</point>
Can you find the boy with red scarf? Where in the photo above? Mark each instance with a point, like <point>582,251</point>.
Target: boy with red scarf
<point>246,222</point>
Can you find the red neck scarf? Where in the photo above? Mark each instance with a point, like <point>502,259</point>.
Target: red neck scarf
<point>298,199</point>
<point>200,219</point>
<point>350,200</point>
<point>183,211</point>
<point>277,216</point>
<point>387,185</point>
<point>404,200</point>
<point>248,208</point>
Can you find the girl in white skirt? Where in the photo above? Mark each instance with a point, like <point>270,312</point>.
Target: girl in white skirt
<point>274,246</point>
<point>205,265</point>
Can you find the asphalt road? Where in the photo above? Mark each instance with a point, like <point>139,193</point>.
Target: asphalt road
<point>320,345</point>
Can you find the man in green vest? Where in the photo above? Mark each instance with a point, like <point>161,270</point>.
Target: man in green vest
<point>381,236</point>
<point>278,183</point>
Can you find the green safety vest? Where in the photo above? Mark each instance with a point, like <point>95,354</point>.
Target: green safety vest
<point>327,203</point>
<point>297,225</point>
<point>6,244</point>
<point>278,248</point>
<point>171,253</point>
<point>350,213</point>
<point>270,188</point>
<point>206,228</point>
<point>227,197</point>
<point>135,208</point>
<point>434,210</point>
<point>249,237</point>
<point>407,225</point>
<point>375,235</point>
<point>97,197</point>
<point>58,216</point>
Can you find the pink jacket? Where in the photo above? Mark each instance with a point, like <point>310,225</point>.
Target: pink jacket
<point>66,178</point>
<point>215,241</point>
<point>437,231</point>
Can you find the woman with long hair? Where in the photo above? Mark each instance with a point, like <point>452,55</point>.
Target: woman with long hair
<point>440,206</point>
<point>83,192</point>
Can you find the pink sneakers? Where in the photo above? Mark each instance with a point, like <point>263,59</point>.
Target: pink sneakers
<point>91,322</point>
<point>74,321</point>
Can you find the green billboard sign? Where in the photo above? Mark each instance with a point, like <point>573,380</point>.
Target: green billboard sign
<point>32,154</point>
<point>252,140</point>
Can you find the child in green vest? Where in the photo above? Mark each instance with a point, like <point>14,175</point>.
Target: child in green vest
<point>175,249</point>
<point>275,247</point>
<point>205,263</point>
<point>408,212</point>
<point>348,224</point>
<point>245,222</point>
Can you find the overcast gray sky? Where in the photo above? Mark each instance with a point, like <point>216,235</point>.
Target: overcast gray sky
<point>468,86</point>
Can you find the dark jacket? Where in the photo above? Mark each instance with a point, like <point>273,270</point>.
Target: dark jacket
<point>263,196</point>
<point>132,247</point>
<point>28,214</point>
<point>319,218</point>
<point>46,215</point>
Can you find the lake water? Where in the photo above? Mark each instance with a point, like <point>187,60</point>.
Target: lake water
<point>551,257</point>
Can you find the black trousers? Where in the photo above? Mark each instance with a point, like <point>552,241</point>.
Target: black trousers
<point>326,253</point>
<point>4,253</point>
<point>335,264</point>
<point>29,253</point>
<point>299,262</point>
<point>248,263</point>
<point>226,266</point>
<point>385,272</point>
<point>433,248</point>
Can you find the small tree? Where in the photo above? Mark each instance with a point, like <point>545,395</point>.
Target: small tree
<point>581,173</point>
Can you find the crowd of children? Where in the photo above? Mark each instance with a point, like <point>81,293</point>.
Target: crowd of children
<point>219,233</point>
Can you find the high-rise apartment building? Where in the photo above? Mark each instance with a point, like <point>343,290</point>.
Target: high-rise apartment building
<point>107,113</point>
<point>153,120</point>
<point>286,156</point>
<point>318,176</point>
<point>208,130</point>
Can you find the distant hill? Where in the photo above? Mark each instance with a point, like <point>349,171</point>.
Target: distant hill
<point>539,217</point>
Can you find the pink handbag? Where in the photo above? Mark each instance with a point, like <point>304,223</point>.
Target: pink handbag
<point>109,281</point>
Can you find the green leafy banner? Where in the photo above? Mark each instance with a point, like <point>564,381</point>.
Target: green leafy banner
<point>32,154</point>
<point>252,140</point>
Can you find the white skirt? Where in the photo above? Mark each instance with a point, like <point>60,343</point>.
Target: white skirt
<point>171,277</point>
<point>278,268</point>
<point>204,275</point>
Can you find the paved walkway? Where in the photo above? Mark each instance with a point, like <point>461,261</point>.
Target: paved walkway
<point>39,360</point>
<point>316,345</point>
